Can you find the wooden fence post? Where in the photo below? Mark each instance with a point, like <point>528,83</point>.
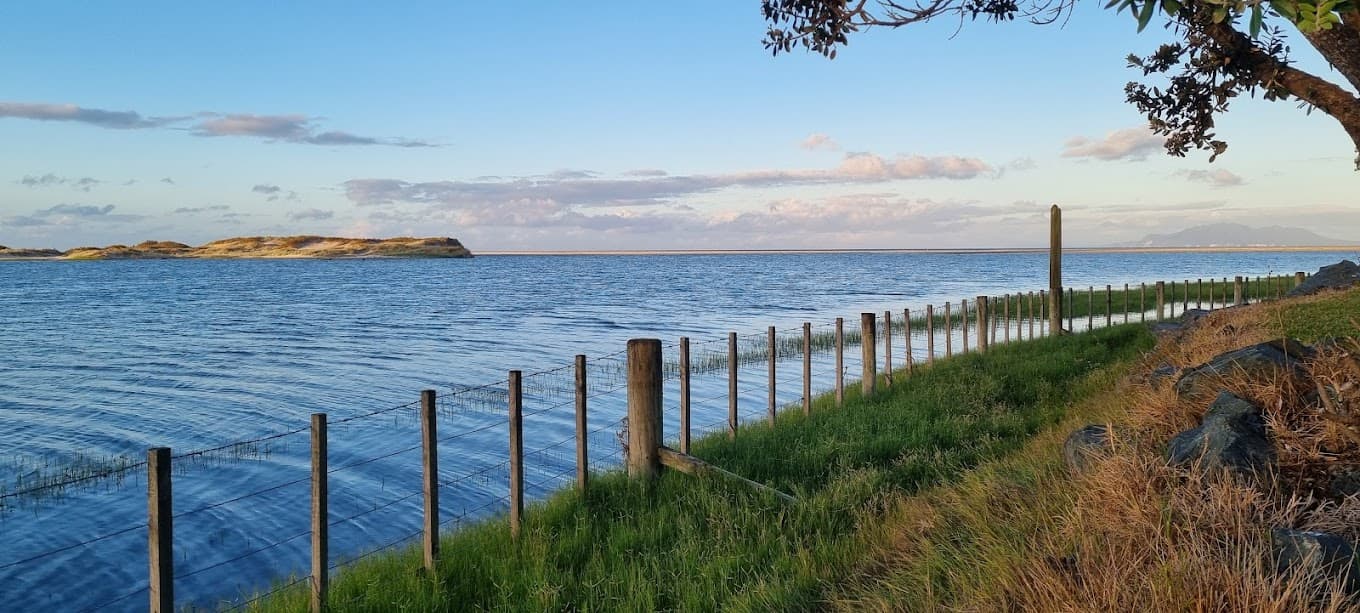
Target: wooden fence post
<point>930,334</point>
<point>320,514</point>
<point>731,385</point>
<point>982,307</point>
<point>160,531</point>
<point>429,449</point>
<point>1185,297</point>
<point>644,408</point>
<point>684,394</point>
<point>515,394</point>
<point>963,320</point>
<point>582,427</point>
<point>1199,293</point>
<point>1161,300</point>
<point>1031,315</point>
<point>906,343</point>
<point>774,356</point>
<point>1090,307</point>
<point>1055,270</point>
<point>1071,309</point>
<point>807,370</point>
<point>1237,291</point>
<point>1171,305</point>
<point>1299,278</point>
<point>867,339</point>
<point>887,349</point>
<point>1126,303</point>
<point>840,361</point>
<point>1109,307</point>
<point>948,333</point>
<point>1043,313</point>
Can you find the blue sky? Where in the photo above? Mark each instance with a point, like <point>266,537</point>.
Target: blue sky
<point>612,125</point>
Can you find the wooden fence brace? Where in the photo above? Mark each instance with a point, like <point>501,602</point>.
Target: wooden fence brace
<point>807,371</point>
<point>930,334</point>
<point>644,408</point>
<point>1161,300</point>
<point>963,319</point>
<point>685,394</point>
<point>948,333</point>
<point>1109,306</point>
<point>515,395</point>
<point>320,515</point>
<point>1299,278</point>
<point>691,465</point>
<point>429,464</point>
<point>1238,299</point>
<point>582,425</point>
<point>840,361</point>
<point>906,336</point>
<point>774,356</point>
<point>160,531</point>
<point>867,341</point>
<point>731,385</point>
<point>887,349</point>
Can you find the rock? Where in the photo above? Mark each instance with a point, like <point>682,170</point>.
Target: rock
<point>1083,445</point>
<point>1336,556</point>
<point>1192,317</point>
<point>1258,361</point>
<point>1340,275</point>
<point>1232,435</point>
<point>1345,483</point>
<point>1162,373</point>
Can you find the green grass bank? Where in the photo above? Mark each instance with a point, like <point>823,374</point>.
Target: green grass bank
<point>697,544</point>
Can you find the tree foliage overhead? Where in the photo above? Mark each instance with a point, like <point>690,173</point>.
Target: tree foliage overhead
<point>1225,48</point>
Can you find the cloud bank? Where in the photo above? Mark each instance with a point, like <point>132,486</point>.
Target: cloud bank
<point>1133,144</point>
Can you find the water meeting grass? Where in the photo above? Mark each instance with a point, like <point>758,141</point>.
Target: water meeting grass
<point>688,543</point>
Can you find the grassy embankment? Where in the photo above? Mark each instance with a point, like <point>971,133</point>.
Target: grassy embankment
<point>695,544</point>
<point>1020,533</point>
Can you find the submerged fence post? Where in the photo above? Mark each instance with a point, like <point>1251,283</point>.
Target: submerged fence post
<point>515,394</point>
<point>948,333</point>
<point>1055,270</point>
<point>982,308</point>
<point>887,348</point>
<point>774,355</point>
<point>320,519</point>
<point>1237,291</point>
<point>867,340</point>
<point>684,394</point>
<point>731,385</point>
<point>582,427</point>
<point>807,370</point>
<point>1161,300</point>
<point>644,408</point>
<point>429,450</point>
<point>160,532</point>
<point>906,334</point>
<point>840,361</point>
<point>930,334</point>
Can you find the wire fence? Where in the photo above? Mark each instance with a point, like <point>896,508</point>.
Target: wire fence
<point>253,510</point>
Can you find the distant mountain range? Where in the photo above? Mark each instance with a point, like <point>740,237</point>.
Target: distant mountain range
<point>1238,235</point>
<point>260,247</point>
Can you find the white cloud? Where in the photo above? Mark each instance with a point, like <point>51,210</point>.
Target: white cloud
<point>1126,144</point>
<point>1217,178</point>
<point>818,141</point>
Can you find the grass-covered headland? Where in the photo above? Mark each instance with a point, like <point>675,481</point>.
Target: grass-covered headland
<point>699,544</point>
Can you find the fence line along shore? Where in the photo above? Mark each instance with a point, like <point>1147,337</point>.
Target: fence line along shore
<point>620,408</point>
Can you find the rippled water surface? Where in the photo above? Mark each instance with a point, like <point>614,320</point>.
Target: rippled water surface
<point>105,359</point>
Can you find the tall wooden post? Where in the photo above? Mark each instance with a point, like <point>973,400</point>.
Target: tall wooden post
<point>1055,269</point>
<point>774,356</point>
<point>948,333</point>
<point>731,385</point>
<point>1161,300</point>
<point>429,449</point>
<point>644,408</point>
<point>320,516</point>
<point>1237,291</point>
<point>887,349</point>
<point>906,335</point>
<point>684,394</point>
<point>582,427</point>
<point>807,368</point>
<point>840,361</point>
<point>160,531</point>
<point>867,340</point>
<point>982,308</point>
<point>963,322</point>
<point>515,394</point>
<point>930,334</point>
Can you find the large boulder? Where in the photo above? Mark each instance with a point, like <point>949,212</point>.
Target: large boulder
<point>1231,436</point>
<point>1083,445</point>
<point>1258,361</point>
<point>1341,275</point>
<point>1332,553</point>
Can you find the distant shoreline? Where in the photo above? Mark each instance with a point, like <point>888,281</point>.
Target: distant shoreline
<point>257,247</point>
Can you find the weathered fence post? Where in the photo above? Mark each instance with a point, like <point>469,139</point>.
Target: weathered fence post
<point>1006,317</point>
<point>906,335</point>
<point>963,320</point>
<point>1161,300</point>
<point>1171,305</point>
<point>948,333</point>
<point>867,339</point>
<point>1031,315</point>
<point>515,395</point>
<point>429,455</point>
<point>582,427</point>
<point>1090,307</point>
<point>1299,277</point>
<point>320,517</point>
<point>1043,313</point>
<point>887,348</point>
<point>1071,309</point>
<point>1055,270</point>
<point>1199,293</point>
<point>644,408</point>
<point>731,385</point>
<point>840,361</point>
<point>1237,291</point>
<point>160,530</point>
<point>982,306</point>
<point>1109,307</point>
<point>1225,291</point>
<point>1126,303</point>
<point>1185,297</point>
<point>684,394</point>
<point>930,334</point>
<point>774,356</point>
<point>807,370</point>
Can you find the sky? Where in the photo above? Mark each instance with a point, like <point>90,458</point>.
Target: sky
<point>615,125</point>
